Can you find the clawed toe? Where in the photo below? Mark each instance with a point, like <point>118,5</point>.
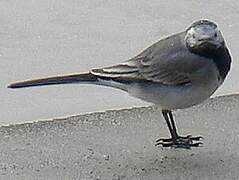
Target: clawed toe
<point>163,140</point>
<point>196,138</point>
<point>181,142</point>
<point>177,141</point>
<point>164,144</point>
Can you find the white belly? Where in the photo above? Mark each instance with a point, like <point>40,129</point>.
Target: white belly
<point>170,97</point>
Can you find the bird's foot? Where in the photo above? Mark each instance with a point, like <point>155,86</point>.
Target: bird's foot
<point>180,142</point>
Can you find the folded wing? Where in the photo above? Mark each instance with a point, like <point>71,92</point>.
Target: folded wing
<point>170,64</point>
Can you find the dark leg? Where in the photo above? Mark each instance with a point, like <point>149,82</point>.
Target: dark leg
<point>197,138</point>
<point>171,129</point>
<point>176,140</point>
<point>172,122</point>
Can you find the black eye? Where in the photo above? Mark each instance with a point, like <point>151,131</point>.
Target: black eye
<point>215,35</point>
<point>194,36</point>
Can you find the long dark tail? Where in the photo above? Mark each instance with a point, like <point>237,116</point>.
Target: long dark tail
<point>67,79</point>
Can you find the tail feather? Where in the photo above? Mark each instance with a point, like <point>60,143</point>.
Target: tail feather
<point>67,79</point>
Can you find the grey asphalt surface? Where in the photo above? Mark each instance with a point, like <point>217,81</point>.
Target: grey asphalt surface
<point>120,145</point>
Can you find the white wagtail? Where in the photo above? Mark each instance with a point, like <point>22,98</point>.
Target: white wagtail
<point>177,72</point>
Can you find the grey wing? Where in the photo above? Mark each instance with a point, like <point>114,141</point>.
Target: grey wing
<point>171,66</point>
<point>162,71</point>
<point>170,71</point>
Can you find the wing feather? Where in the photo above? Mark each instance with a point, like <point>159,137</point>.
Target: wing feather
<point>167,61</point>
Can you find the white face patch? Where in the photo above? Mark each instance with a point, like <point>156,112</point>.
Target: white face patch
<point>200,34</point>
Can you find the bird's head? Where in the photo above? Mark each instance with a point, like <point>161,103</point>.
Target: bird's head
<point>204,35</point>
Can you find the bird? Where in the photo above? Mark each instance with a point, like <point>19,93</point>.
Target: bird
<point>177,72</point>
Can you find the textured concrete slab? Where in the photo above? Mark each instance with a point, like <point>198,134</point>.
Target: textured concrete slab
<point>120,145</point>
